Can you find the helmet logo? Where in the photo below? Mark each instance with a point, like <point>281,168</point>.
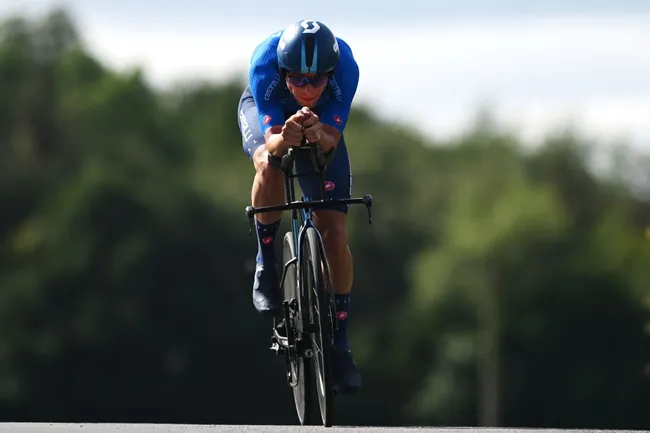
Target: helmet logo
<point>310,26</point>
<point>335,47</point>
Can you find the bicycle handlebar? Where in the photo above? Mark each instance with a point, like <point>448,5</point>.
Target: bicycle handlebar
<point>318,158</point>
<point>314,204</point>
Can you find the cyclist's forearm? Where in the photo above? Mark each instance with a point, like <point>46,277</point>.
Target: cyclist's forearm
<point>328,142</point>
<point>275,145</point>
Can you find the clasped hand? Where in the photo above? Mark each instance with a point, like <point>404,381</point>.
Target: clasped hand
<point>304,123</point>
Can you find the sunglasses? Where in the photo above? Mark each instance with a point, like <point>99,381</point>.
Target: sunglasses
<point>301,80</point>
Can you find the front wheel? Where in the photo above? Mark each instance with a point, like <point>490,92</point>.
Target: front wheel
<point>300,370</point>
<point>314,289</point>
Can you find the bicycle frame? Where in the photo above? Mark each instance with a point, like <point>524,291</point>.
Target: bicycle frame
<point>301,212</point>
<point>297,345</point>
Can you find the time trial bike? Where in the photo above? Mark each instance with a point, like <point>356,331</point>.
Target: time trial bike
<point>304,330</point>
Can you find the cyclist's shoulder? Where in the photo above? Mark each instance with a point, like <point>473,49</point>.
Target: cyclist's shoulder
<point>263,76</point>
<point>265,50</point>
<point>344,46</point>
<point>347,71</point>
<point>345,51</point>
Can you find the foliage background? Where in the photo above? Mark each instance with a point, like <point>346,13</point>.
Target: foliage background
<point>498,284</point>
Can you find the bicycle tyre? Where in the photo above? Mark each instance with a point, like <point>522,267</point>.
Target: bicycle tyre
<point>320,319</point>
<point>303,394</point>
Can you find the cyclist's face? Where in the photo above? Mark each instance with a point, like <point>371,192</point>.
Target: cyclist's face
<point>306,88</point>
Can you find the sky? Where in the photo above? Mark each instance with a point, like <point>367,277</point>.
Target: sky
<point>537,66</point>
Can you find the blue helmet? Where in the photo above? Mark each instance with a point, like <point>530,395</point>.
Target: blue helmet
<point>308,46</point>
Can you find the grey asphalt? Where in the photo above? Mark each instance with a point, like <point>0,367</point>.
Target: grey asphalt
<point>179,428</point>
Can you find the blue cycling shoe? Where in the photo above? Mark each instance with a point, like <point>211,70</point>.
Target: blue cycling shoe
<point>267,298</point>
<point>347,379</point>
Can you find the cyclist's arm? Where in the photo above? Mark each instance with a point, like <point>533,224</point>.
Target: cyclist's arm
<point>329,139</point>
<point>274,140</point>
<point>264,78</point>
<point>344,83</point>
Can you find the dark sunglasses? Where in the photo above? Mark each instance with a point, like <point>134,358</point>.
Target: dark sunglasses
<point>301,81</point>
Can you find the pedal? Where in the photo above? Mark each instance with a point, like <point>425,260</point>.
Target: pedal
<point>304,347</point>
<point>275,345</point>
<point>281,329</point>
<point>276,348</point>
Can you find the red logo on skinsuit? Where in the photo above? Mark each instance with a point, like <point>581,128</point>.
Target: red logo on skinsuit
<point>342,315</point>
<point>329,185</point>
<point>338,120</point>
<point>267,119</point>
<point>267,240</point>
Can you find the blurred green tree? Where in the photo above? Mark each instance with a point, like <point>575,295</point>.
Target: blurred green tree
<point>498,285</point>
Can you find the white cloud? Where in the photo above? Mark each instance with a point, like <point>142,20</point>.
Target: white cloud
<point>538,72</point>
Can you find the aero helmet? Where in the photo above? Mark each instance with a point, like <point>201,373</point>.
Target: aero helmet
<point>306,47</point>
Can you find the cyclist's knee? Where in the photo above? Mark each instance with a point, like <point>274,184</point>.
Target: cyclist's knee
<point>331,225</point>
<point>262,166</point>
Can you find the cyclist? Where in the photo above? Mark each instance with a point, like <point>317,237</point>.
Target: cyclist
<point>302,81</point>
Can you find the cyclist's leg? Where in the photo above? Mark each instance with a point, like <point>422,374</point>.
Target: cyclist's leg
<point>267,190</point>
<point>331,223</point>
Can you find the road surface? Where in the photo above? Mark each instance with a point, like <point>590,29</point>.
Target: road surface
<point>179,428</point>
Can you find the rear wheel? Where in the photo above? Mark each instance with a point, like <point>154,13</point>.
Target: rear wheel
<point>320,318</point>
<point>300,371</point>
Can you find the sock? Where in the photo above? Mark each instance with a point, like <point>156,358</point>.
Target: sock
<point>265,241</point>
<point>341,335</point>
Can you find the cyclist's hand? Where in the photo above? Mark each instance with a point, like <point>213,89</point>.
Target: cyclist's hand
<point>313,127</point>
<point>292,130</point>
